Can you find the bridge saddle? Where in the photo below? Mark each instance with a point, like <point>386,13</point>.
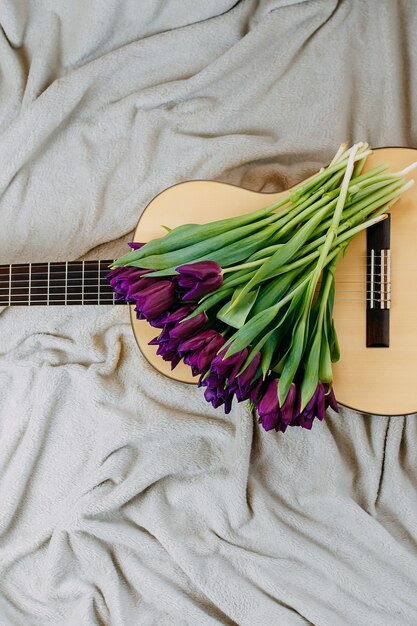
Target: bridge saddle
<point>380,279</point>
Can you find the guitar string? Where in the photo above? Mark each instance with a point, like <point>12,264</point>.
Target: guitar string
<point>99,284</point>
<point>53,299</point>
<point>34,278</point>
<point>110,301</point>
<point>23,278</point>
<point>16,292</point>
<point>42,275</point>
<point>62,263</point>
<point>60,302</point>
<point>103,270</point>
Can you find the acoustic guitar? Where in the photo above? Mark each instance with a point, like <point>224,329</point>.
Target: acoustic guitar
<point>375,301</point>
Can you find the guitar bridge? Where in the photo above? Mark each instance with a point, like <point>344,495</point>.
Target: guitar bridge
<point>378,288</point>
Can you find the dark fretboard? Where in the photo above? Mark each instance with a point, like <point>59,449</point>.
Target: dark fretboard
<point>75,282</point>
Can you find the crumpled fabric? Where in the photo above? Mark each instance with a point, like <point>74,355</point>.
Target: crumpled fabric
<point>125,498</point>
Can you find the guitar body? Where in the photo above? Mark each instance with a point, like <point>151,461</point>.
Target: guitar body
<point>377,380</point>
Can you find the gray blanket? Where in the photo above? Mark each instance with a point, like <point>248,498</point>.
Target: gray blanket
<point>125,499</point>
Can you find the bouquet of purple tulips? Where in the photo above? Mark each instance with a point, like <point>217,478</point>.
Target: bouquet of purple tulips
<point>247,302</point>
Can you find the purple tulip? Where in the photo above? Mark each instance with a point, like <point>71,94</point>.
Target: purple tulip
<point>167,347</point>
<point>198,341</point>
<point>330,399</point>
<point>219,397</point>
<point>212,397</point>
<point>228,368</point>
<point>167,341</point>
<point>220,382</point>
<point>245,382</point>
<point>158,322</point>
<point>200,350</point>
<point>255,391</point>
<point>127,279</point>
<point>271,414</point>
<point>314,408</point>
<point>287,409</point>
<point>187,328</point>
<point>216,392</point>
<point>169,352</point>
<point>198,279</point>
<point>268,407</point>
<point>154,299</point>
<point>135,245</point>
<point>172,316</point>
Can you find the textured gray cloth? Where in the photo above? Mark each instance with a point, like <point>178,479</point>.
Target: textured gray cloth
<point>124,498</point>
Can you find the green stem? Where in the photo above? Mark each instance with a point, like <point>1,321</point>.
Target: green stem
<point>234,268</point>
<point>347,236</point>
<point>354,215</point>
<point>332,232</point>
<point>238,280</point>
<point>340,165</point>
<point>371,173</point>
<point>265,252</point>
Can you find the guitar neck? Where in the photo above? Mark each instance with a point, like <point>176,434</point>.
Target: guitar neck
<point>75,282</point>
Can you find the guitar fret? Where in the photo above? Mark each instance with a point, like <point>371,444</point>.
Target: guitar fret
<point>114,293</point>
<point>30,280</point>
<point>63,283</point>
<point>21,291</point>
<point>56,275</point>
<point>90,281</point>
<point>75,288</point>
<point>66,280</point>
<point>48,283</point>
<point>39,284</point>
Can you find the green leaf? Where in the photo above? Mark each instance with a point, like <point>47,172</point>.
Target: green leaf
<point>230,278</point>
<point>169,271</point>
<point>189,234</point>
<point>284,254</point>
<point>226,248</point>
<point>182,235</point>
<point>238,279</point>
<point>334,344</point>
<point>272,291</point>
<point>285,327</point>
<point>325,366</point>
<point>331,335</point>
<point>236,317</point>
<point>292,360</point>
<point>271,340</point>
<point>330,300</point>
<point>208,243</point>
<point>248,333</point>
<point>264,252</point>
<point>211,301</point>
<point>255,349</point>
<point>269,349</point>
<point>311,372</point>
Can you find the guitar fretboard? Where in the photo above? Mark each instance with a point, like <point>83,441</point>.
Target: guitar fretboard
<point>65,283</point>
